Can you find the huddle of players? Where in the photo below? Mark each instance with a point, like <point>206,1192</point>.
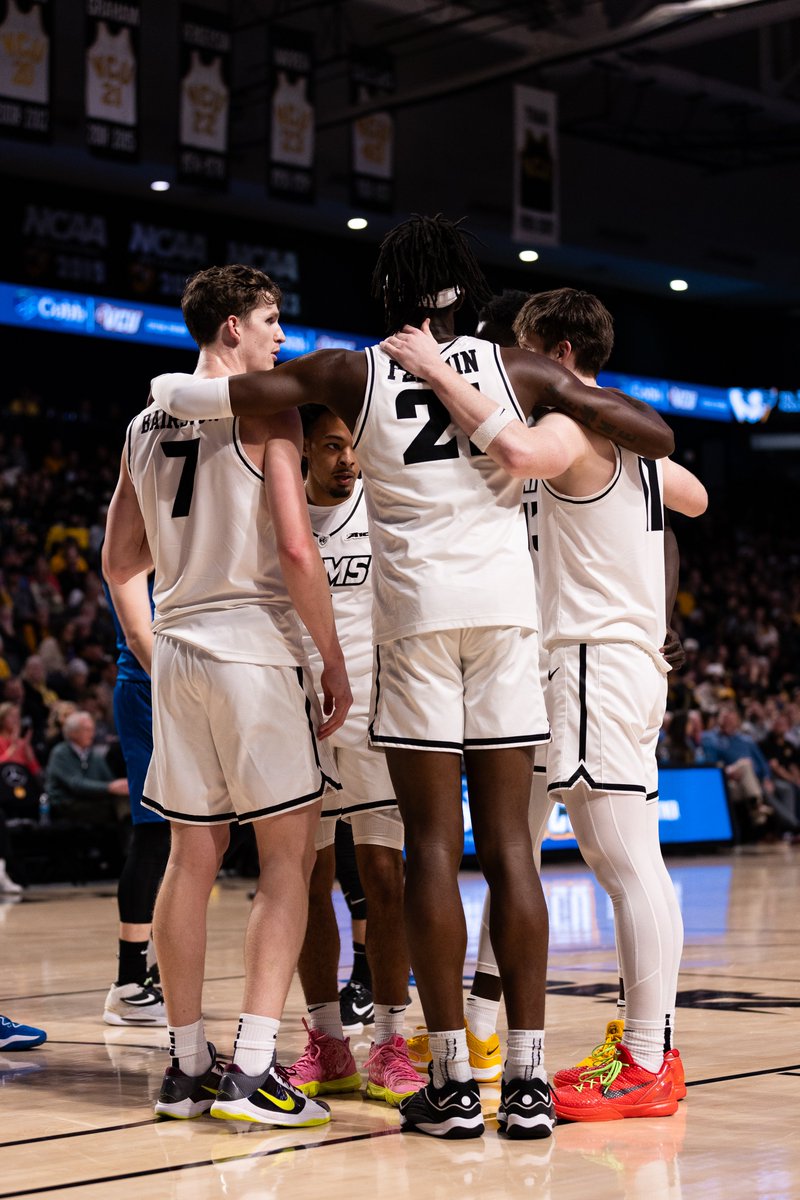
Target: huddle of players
<point>457,673</point>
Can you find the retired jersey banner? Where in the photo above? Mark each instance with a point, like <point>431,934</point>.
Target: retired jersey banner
<point>536,204</point>
<point>205,97</point>
<point>25,69</point>
<point>372,136</point>
<point>291,114</point>
<point>112,78</point>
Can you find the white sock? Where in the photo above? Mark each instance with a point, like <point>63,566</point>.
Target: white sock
<point>254,1048</point>
<point>327,1017</point>
<point>644,1041</point>
<point>621,1002</point>
<point>390,1021</point>
<point>481,1016</point>
<point>450,1056</point>
<point>524,1055</point>
<point>189,1048</point>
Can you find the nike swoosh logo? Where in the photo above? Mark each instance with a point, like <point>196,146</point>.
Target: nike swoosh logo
<point>359,1011</point>
<point>288,1105</point>
<point>550,674</point>
<point>394,1011</point>
<point>615,1094</point>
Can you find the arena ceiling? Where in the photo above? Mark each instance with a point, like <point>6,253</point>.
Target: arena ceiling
<point>679,128</point>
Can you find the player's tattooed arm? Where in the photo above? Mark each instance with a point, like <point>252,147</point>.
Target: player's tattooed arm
<point>622,419</point>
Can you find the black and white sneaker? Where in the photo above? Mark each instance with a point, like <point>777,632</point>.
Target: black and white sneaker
<point>356,1007</point>
<point>269,1099</point>
<point>186,1096</point>
<point>526,1109</point>
<point>451,1111</point>
<point>134,1004</point>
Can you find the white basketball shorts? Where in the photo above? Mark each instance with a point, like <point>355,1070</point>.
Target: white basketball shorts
<point>232,741</point>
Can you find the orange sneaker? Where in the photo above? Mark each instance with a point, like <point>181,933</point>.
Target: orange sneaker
<point>617,1090</point>
<point>600,1056</point>
<point>673,1058</point>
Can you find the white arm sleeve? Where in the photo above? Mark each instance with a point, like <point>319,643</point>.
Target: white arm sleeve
<point>190,398</point>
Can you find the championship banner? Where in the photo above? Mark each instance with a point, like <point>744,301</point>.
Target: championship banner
<point>112,78</point>
<point>205,97</point>
<point>536,199</point>
<point>291,114</point>
<point>25,69</point>
<point>372,136</point>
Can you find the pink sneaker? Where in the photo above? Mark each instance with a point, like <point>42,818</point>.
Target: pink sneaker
<point>326,1065</point>
<point>391,1075</point>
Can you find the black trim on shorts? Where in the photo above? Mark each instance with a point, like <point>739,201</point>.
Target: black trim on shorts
<point>374,717</point>
<point>584,713</point>
<point>582,773</point>
<point>529,739</point>
<point>412,743</point>
<point>334,783</point>
<point>652,795</point>
<point>369,806</point>
<point>273,810</point>
<point>188,818</point>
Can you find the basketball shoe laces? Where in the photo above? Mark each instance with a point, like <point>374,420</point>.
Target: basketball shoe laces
<point>603,1074</point>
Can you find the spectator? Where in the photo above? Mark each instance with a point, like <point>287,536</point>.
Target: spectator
<point>762,800</point>
<point>78,779</point>
<point>15,746</point>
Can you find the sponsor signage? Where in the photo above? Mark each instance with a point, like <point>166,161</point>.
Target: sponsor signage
<point>692,810</point>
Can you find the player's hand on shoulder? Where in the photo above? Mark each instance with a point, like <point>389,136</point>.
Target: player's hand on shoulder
<point>416,350</point>
<point>337,698</point>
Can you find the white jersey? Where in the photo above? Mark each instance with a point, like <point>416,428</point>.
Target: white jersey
<point>218,582</point>
<point>602,560</point>
<point>342,535</point>
<point>24,55</point>
<point>446,522</point>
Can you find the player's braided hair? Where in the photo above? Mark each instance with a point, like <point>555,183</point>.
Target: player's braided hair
<point>417,259</point>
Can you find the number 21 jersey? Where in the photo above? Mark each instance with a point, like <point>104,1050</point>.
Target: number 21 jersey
<point>448,533</point>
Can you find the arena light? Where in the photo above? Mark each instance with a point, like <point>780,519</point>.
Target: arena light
<point>679,285</point>
<point>357,223</point>
<point>529,255</point>
<point>159,185</point>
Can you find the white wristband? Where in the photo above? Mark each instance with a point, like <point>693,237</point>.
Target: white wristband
<point>190,398</point>
<point>487,431</point>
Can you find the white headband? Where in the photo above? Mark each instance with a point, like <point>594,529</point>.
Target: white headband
<point>442,299</point>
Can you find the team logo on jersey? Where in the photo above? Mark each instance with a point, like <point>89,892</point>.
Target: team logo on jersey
<point>322,538</point>
<point>348,571</point>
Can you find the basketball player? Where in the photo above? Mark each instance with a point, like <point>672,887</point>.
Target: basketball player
<point>603,620</point>
<point>454,621</point>
<point>576,329</point>
<point>237,730</point>
<point>366,801</point>
<point>135,997</point>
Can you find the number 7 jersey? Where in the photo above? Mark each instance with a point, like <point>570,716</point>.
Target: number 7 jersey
<point>448,532</point>
<point>218,582</point>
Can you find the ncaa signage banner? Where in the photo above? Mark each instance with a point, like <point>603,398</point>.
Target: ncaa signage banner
<point>536,200</point>
<point>291,114</point>
<point>372,136</point>
<point>203,142</point>
<point>112,78</point>
<point>25,69</point>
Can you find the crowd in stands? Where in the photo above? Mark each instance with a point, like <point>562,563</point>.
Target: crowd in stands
<point>735,702</point>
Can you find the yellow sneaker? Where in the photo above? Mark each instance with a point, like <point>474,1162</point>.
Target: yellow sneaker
<point>485,1057</point>
<point>419,1052</point>
<point>602,1054</point>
